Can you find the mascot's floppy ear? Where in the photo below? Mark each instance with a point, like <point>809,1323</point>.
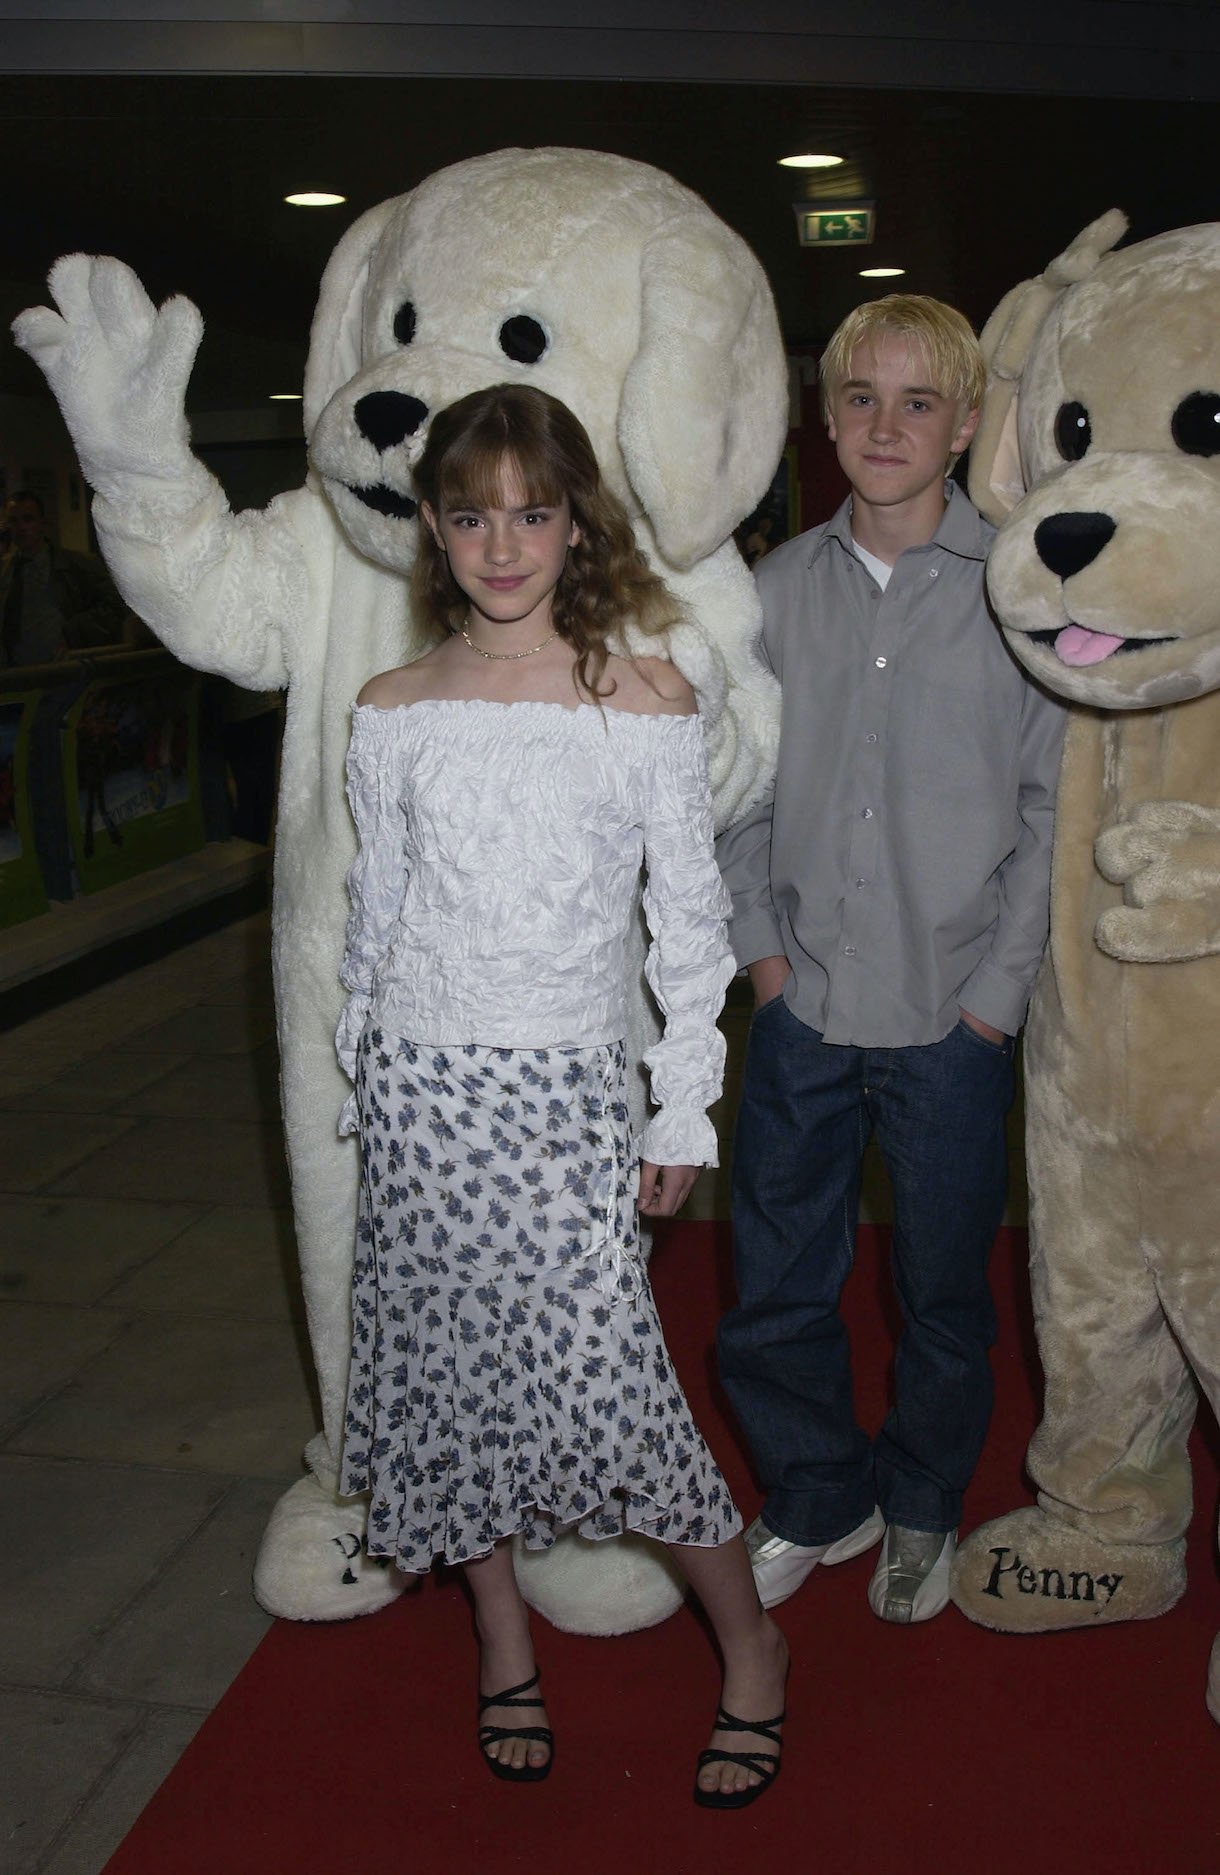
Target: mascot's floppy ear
<point>704,409</point>
<point>336,337</point>
<point>997,478</point>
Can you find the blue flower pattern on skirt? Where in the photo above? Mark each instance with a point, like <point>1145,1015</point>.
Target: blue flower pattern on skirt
<point>508,1369</point>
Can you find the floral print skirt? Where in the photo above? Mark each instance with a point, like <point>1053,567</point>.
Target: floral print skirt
<point>508,1370</point>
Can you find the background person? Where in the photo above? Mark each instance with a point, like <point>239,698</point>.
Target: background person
<point>52,601</point>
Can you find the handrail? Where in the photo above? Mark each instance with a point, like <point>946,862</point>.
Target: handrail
<point>111,660</point>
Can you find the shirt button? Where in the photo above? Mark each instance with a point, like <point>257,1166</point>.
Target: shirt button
<point>881,663</point>
<point>934,572</point>
<point>849,950</point>
<point>860,884</point>
<point>866,813</point>
<point>871,736</point>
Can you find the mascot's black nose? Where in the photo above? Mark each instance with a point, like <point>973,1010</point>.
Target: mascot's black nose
<point>388,417</point>
<point>1068,542</point>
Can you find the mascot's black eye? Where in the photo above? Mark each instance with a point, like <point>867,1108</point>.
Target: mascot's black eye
<point>404,323</point>
<point>1196,424</point>
<point>1073,432</point>
<point>522,339</point>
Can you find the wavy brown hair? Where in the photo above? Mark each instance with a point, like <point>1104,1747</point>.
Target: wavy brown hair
<point>606,581</point>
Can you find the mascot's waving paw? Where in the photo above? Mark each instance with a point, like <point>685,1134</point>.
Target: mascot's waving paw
<point>118,366</point>
<point>1166,856</point>
<point>1026,1573</point>
<point>1098,453</point>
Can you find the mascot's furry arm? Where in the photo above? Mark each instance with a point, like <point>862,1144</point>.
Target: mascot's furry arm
<point>1166,857</point>
<point>221,589</point>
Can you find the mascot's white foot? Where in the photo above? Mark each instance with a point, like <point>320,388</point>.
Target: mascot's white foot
<point>1213,1682</point>
<point>1026,1574</point>
<point>311,1563</point>
<point>611,1587</point>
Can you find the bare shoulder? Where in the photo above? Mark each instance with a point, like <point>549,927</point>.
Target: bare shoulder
<point>653,687</point>
<point>389,690</point>
<point>382,692</point>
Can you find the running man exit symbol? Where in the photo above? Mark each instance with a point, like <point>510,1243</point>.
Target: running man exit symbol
<point>848,226</point>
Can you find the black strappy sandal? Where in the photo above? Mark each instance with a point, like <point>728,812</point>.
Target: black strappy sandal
<point>764,1764</point>
<point>493,1734</point>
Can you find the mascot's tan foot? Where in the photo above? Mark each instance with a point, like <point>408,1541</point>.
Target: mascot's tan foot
<point>611,1587</point>
<point>1026,1574</point>
<point>1213,1682</point>
<point>311,1564</point>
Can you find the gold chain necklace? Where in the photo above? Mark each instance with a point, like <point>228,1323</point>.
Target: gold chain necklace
<point>507,657</point>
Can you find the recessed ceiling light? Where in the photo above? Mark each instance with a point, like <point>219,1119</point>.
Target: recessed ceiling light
<point>881,273</point>
<point>810,161</point>
<point>314,198</point>
<point>285,397</point>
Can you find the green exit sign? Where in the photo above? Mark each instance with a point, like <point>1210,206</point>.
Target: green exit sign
<point>848,226</point>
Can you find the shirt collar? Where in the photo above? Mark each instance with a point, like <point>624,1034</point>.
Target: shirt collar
<point>962,530</point>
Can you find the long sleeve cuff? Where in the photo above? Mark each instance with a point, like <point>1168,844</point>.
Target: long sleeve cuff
<point>679,1136</point>
<point>754,934</point>
<point>995,997</point>
<point>347,1041</point>
<point>351,1027</point>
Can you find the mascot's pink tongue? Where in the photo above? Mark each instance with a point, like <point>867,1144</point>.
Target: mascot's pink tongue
<point>1076,644</point>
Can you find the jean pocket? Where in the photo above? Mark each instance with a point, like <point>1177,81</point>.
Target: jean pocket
<point>763,1009</point>
<point>1001,1048</point>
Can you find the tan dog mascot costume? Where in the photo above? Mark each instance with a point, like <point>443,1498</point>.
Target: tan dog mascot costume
<point>1100,444</point>
<point>612,287</point>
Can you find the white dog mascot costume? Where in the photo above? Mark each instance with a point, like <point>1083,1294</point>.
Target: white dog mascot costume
<point>602,281</point>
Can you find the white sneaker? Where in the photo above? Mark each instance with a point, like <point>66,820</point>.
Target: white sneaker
<point>780,1567</point>
<point>911,1580</point>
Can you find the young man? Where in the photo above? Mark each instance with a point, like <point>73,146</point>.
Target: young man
<point>891,905</point>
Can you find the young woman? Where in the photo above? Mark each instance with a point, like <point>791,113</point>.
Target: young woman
<point>509,1373</point>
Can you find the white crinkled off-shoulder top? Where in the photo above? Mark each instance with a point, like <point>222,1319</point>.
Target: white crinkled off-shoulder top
<point>499,864</point>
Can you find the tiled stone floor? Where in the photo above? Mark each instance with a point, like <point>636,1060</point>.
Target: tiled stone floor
<point>154,1385</point>
<point>154,1389</point>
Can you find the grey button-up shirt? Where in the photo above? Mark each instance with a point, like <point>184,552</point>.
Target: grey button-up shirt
<point>903,867</point>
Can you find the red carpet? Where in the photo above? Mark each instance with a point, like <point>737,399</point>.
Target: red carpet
<point>909,1752</point>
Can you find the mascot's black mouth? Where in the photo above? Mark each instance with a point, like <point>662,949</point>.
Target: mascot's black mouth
<point>385,500</point>
<point>1080,645</point>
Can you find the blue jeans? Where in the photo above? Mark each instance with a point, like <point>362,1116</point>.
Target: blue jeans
<point>807,1110</point>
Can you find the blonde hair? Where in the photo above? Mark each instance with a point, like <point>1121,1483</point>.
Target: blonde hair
<point>944,336</point>
<point>605,580</point>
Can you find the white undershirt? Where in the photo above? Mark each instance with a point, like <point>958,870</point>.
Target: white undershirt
<point>880,569</point>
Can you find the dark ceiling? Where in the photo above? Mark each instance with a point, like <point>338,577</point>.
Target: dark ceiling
<point>183,177</point>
